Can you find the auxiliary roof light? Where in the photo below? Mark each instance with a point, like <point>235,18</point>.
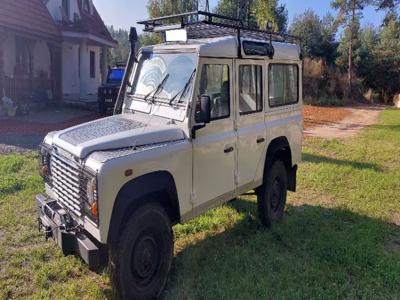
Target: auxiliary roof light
<point>177,35</point>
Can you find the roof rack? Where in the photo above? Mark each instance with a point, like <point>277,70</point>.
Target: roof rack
<point>201,24</point>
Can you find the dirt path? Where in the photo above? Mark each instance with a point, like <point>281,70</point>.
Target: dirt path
<point>24,134</point>
<point>356,118</point>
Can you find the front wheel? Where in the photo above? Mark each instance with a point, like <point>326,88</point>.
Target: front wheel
<point>141,262</point>
<point>272,196</point>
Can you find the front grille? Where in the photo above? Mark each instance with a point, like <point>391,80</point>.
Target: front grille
<point>68,184</point>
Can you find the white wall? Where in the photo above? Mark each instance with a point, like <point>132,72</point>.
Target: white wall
<point>41,58</point>
<point>93,83</point>
<point>70,72</point>
<point>78,83</point>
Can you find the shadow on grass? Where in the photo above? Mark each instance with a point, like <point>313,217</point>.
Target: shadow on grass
<point>317,159</point>
<point>314,251</point>
<point>387,127</point>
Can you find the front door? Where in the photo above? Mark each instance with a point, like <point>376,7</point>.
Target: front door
<point>251,130</point>
<point>214,148</point>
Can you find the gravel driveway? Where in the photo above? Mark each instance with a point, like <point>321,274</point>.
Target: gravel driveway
<point>354,119</point>
<point>25,133</point>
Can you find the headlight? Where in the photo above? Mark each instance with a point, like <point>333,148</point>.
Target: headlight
<point>44,161</point>
<point>91,203</point>
<point>91,190</point>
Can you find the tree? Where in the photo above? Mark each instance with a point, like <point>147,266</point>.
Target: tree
<point>240,9</point>
<point>269,10</point>
<point>349,11</point>
<point>255,13</point>
<point>387,55</point>
<point>387,4</point>
<point>158,8</point>
<point>343,57</point>
<point>329,44</point>
<point>369,39</point>
<point>121,52</point>
<point>317,36</point>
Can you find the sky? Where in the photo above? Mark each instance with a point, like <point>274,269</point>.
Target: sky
<point>125,13</point>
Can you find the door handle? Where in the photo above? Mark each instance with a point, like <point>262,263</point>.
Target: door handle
<point>229,150</point>
<point>260,140</point>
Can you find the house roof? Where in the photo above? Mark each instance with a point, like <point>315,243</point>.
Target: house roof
<point>28,17</point>
<point>89,24</point>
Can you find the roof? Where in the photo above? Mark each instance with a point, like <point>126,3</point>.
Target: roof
<point>28,17</point>
<point>91,24</point>
<point>227,47</point>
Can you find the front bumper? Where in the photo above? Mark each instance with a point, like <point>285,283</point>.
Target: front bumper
<point>58,224</point>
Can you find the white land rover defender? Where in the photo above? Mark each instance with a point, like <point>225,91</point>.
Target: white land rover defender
<point>213,112</point>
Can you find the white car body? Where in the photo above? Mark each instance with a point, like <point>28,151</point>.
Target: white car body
<point>155,137</point>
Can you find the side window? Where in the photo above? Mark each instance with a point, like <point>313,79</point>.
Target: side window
<point>92,64</point>
<point>250,89</point>
<point>283,84</point>
<point>215,82</point>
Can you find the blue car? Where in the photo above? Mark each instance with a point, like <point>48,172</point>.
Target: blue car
<point>108,92</point>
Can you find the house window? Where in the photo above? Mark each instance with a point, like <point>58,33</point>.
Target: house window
<point>65,7</point>
<point>250,89</point>
<point>92,64</point>
<point>86,6</point>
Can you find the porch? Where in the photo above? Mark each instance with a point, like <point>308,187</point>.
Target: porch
<point>30,70</point>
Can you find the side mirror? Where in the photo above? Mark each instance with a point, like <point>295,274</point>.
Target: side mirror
<point>203,114</point>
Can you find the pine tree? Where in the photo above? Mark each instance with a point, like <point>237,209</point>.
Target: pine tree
<point>349,12</point>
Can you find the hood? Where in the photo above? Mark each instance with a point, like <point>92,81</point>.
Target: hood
<point>116,132</point>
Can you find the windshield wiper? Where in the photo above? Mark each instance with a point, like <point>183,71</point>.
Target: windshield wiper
<point>156,91</point>
<point>183,91</point>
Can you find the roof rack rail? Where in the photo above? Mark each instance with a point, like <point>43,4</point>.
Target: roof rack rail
<point>201,24</point>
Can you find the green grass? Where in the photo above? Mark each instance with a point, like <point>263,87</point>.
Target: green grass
<point>338,238</point>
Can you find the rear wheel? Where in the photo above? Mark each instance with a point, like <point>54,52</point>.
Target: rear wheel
<point>272,196</point>
<point>141,262</point>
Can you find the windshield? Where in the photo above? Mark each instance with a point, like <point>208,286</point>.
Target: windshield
<point>115,75</point>
<point>163,76</point>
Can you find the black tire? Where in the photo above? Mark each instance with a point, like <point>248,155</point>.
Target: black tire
<point>271,199</point>
<point>141,261</point>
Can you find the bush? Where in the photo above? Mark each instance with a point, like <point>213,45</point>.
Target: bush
<point>324,101</point>
<point>323,84</point>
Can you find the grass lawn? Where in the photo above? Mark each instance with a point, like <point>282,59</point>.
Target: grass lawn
<point>339,238</point>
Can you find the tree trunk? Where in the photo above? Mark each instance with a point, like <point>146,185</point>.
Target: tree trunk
<point>350,74</point>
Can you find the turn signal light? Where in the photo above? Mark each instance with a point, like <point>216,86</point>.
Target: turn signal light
<point>94,209</point>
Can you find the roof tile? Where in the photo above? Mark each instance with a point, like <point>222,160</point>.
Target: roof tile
<point>28,16</point>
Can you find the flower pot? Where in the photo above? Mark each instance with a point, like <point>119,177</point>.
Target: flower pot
<point>11,111</point>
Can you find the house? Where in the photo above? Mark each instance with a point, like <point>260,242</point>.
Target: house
<point>52,50</point>
<point>30,52</point>
<point>84,47</point>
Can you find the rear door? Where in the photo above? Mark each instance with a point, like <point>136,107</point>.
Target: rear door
<point>251,129</point>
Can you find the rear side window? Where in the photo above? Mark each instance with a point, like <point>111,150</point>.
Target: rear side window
<point>283,85</point>
<point>215,82</point>
<point>250,89</point>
